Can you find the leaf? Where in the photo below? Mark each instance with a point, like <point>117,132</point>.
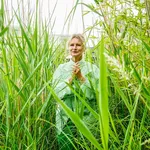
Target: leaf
<point>3,31</point>
<point>76,120</point>
<point>146,46</point>
<point>103,97</point>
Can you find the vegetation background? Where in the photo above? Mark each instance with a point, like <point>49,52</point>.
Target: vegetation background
<point>29,56</point>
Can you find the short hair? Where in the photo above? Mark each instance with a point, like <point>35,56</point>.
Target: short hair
<point>78,36</point>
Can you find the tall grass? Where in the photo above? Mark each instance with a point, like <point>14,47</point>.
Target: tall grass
<point>27,63</point>
<point>29,56</point>
<point>126,32</point>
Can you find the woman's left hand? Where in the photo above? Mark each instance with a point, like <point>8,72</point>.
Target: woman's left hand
<point>77,72</point>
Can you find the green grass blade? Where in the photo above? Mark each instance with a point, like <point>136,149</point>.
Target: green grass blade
<point>31,75</point>
<point>3,31</point>
<point>146,46</point>
<point>132,119</point>
<point>123,96</point>
<point>25,36</point>
<point>95,114</point>
<point>103,97</point>
<point>77,121</point>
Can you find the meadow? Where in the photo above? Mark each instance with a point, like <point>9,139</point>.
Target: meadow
<point>30,54</point>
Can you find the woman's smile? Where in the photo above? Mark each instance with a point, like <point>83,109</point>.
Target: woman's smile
<point>76,48</point>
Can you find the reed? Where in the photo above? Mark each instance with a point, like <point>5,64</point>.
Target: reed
<point>30,54</point>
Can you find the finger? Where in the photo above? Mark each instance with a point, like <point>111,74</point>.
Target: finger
<point>75,71</point>
<point>77,64</point>
<point>75,68</point>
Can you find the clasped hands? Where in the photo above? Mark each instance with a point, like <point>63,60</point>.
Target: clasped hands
<point>76,73</point>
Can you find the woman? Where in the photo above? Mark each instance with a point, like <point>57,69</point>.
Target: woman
<point>83,77</point>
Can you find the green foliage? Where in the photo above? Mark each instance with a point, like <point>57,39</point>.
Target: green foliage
<point>98,1</point>
<point>103,97</point>
<point>30,54</point>
<point>127,40</point>
<point>3,31</point>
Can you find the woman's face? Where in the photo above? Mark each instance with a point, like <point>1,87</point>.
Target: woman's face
<point>76,48</point>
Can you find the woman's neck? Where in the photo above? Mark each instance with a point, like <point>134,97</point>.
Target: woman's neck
<point>76,59</point>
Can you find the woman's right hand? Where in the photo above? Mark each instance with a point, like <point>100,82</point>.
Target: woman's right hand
<point>76,72</point>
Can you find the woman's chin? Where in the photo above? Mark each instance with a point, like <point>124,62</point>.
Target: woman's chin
<point>75,55</point>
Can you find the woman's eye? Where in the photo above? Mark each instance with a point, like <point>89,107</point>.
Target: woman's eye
<point>75,44</point>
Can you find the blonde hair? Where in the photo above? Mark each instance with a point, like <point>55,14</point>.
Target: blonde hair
<point>78,36</point>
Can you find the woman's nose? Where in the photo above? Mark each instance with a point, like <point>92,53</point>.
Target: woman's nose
<point>74,47</point>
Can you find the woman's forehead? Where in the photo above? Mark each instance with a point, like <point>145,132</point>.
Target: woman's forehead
<point>75,40</point>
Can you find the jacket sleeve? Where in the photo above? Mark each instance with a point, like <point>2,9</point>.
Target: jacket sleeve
<point>59,82</point>
<point>91,85</point>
